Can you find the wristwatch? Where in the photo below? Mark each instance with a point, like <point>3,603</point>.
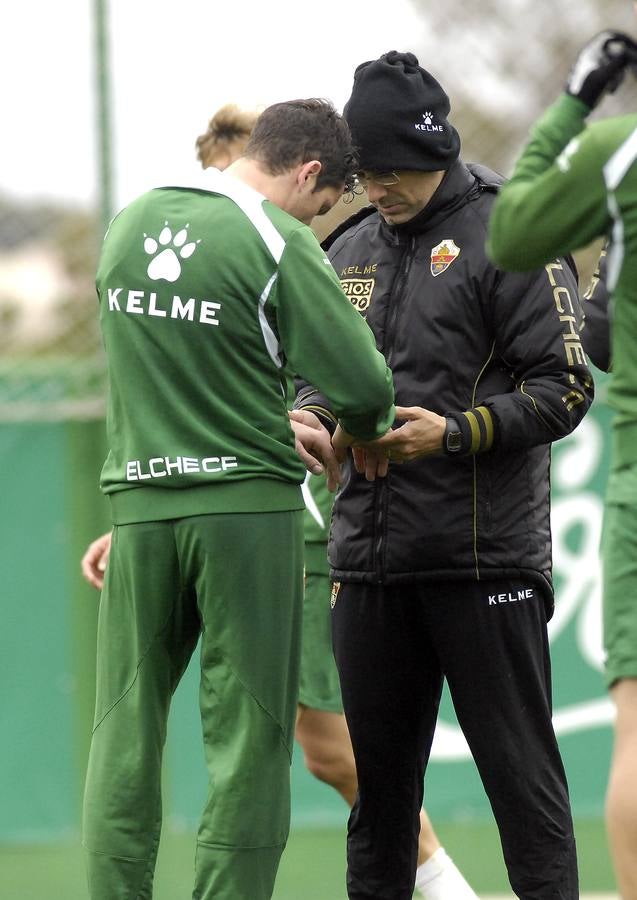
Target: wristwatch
<point>452,441</point>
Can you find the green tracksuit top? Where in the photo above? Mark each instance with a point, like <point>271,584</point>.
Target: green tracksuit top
<point>210,297</point>
<point>575,182</point>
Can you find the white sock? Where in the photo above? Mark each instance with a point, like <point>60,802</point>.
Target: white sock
<point>440,879</point>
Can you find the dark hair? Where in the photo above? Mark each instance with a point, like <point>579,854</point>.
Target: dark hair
<point>297,131</point>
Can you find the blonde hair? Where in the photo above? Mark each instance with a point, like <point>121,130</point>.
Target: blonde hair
<point>226,137</point>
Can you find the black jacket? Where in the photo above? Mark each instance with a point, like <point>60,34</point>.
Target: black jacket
<point>598,315</point>
<point>498,351</point>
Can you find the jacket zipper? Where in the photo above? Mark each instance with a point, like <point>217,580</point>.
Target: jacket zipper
<point>382,491</point>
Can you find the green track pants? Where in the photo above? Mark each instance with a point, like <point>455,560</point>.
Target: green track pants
<point>236,579</point>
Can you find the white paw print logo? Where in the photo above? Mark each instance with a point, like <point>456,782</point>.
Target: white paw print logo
<point>427,117</point>
<point>166,264</point>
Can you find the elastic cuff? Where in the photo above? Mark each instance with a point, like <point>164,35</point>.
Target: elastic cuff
<point>477,428</point>
<point>311,400</point>
<point>324,415</point>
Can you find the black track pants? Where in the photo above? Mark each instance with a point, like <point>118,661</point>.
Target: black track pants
<point>393,646</point>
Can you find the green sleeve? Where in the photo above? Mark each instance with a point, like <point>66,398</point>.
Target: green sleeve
<point>555,201</point>
<point>328,343</point>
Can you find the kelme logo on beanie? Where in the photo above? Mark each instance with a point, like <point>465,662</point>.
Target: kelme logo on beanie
<point>397,113</point>
<point>428,124</point>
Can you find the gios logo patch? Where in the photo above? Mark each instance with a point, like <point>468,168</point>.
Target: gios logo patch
<point>442,256</point>
<point>336,586</point>
<point>359,291</point>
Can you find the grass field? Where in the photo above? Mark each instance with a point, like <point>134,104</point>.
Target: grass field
<point>313,865</point>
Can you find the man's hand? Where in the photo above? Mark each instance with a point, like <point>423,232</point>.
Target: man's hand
<point>314,446</point>
<point>371,463</point>
<point>421,435</point>
<point>600,66</point>
<point>367,462</point>
<point>95,559</point>
<point>341,441</point>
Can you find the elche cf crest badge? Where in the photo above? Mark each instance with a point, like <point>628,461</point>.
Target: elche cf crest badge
<point>442,256</point>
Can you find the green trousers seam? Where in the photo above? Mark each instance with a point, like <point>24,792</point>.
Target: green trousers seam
<point>288,747</point>
<point>139,665</point>
<point>114,856</point>
<point>232,847</point>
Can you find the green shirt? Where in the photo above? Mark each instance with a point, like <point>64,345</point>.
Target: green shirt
<point>574,183</point>
<point>209,299</point>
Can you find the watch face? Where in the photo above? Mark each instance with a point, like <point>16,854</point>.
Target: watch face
<point>454,441</point>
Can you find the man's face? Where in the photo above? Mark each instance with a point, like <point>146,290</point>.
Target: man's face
<point>398,203</point>
<point>315,203</point>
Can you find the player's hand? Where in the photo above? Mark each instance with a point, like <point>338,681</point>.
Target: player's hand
<point>367,462</point>
<point>600,66</point>
<point>95,560</point>
<point>341,442</point>
<point>421,435</point>
<point>314,446</point>
<point>371,463</point>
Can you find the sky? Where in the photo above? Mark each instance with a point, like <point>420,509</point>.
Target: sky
<point>172,65</point>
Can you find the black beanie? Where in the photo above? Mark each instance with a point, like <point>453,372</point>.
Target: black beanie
<point>397,114</point>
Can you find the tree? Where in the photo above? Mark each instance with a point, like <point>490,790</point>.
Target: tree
<point>503,61</point>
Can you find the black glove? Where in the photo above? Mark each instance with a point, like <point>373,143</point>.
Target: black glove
<point>600,66</point>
